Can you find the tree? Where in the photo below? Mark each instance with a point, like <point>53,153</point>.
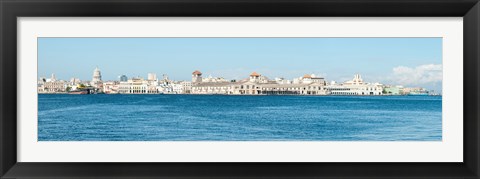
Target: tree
<point>384,91</point>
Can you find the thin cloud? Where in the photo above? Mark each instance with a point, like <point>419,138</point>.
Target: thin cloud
<point>420,75</point>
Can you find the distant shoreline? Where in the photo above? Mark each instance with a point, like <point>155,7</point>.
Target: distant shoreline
<point>221,94</point>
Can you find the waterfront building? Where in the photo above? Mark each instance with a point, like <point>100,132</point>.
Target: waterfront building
<point>177,88</point>
<point>152,87</point>
<point>165,89</point>
<point>415,91</point>
<point>152,83</point>
<point>213,88</point>
<point>161,89</point>
<point>59,86</point>
<point>41,84</point>
<point>393,90</point>
<point>355,87</point>
<point>140,86</point>
<point>51,85</point>
<point>306,85</point>
<point>186,87</point>
<point>257,84</point>
<point>254,84</point>
<point>111,87</point>
<point>311,78</point>
<point>133,86</point>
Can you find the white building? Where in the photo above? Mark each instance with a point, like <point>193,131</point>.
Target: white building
<point>52,87</point>
<point>133,86</point>
<point>356,86</point>
<point>186,87</point>
<point>257,84</point>
<point>97,77</point>
<point>97,80</point>
<point>177,88</point>
<point>111,87</point>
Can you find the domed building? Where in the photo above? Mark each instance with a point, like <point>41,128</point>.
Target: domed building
<point>97,77</point>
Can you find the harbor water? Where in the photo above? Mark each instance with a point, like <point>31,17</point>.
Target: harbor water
<point>100,117</point>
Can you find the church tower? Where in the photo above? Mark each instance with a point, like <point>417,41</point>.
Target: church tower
<point>357,80</point>
<point>254,77</point>
<point>196,77</point>
<point>53,78</point>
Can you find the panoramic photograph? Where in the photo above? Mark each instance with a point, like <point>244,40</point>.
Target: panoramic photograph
<point>239,89</point>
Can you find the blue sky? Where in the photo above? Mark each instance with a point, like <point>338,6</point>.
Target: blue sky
<point>399,61</point>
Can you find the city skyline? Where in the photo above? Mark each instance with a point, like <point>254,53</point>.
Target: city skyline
<point>408,61</point>
<point>161,77</point>
<point>255,84</point>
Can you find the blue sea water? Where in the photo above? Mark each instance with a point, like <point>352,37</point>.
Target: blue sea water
<point>63,117</point>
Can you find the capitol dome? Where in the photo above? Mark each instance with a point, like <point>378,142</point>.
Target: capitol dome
<point>97,75</point>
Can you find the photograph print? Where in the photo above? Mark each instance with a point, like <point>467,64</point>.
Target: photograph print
<point>239,89</point>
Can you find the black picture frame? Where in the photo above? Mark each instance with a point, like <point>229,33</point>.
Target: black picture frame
<point>11,9</point>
